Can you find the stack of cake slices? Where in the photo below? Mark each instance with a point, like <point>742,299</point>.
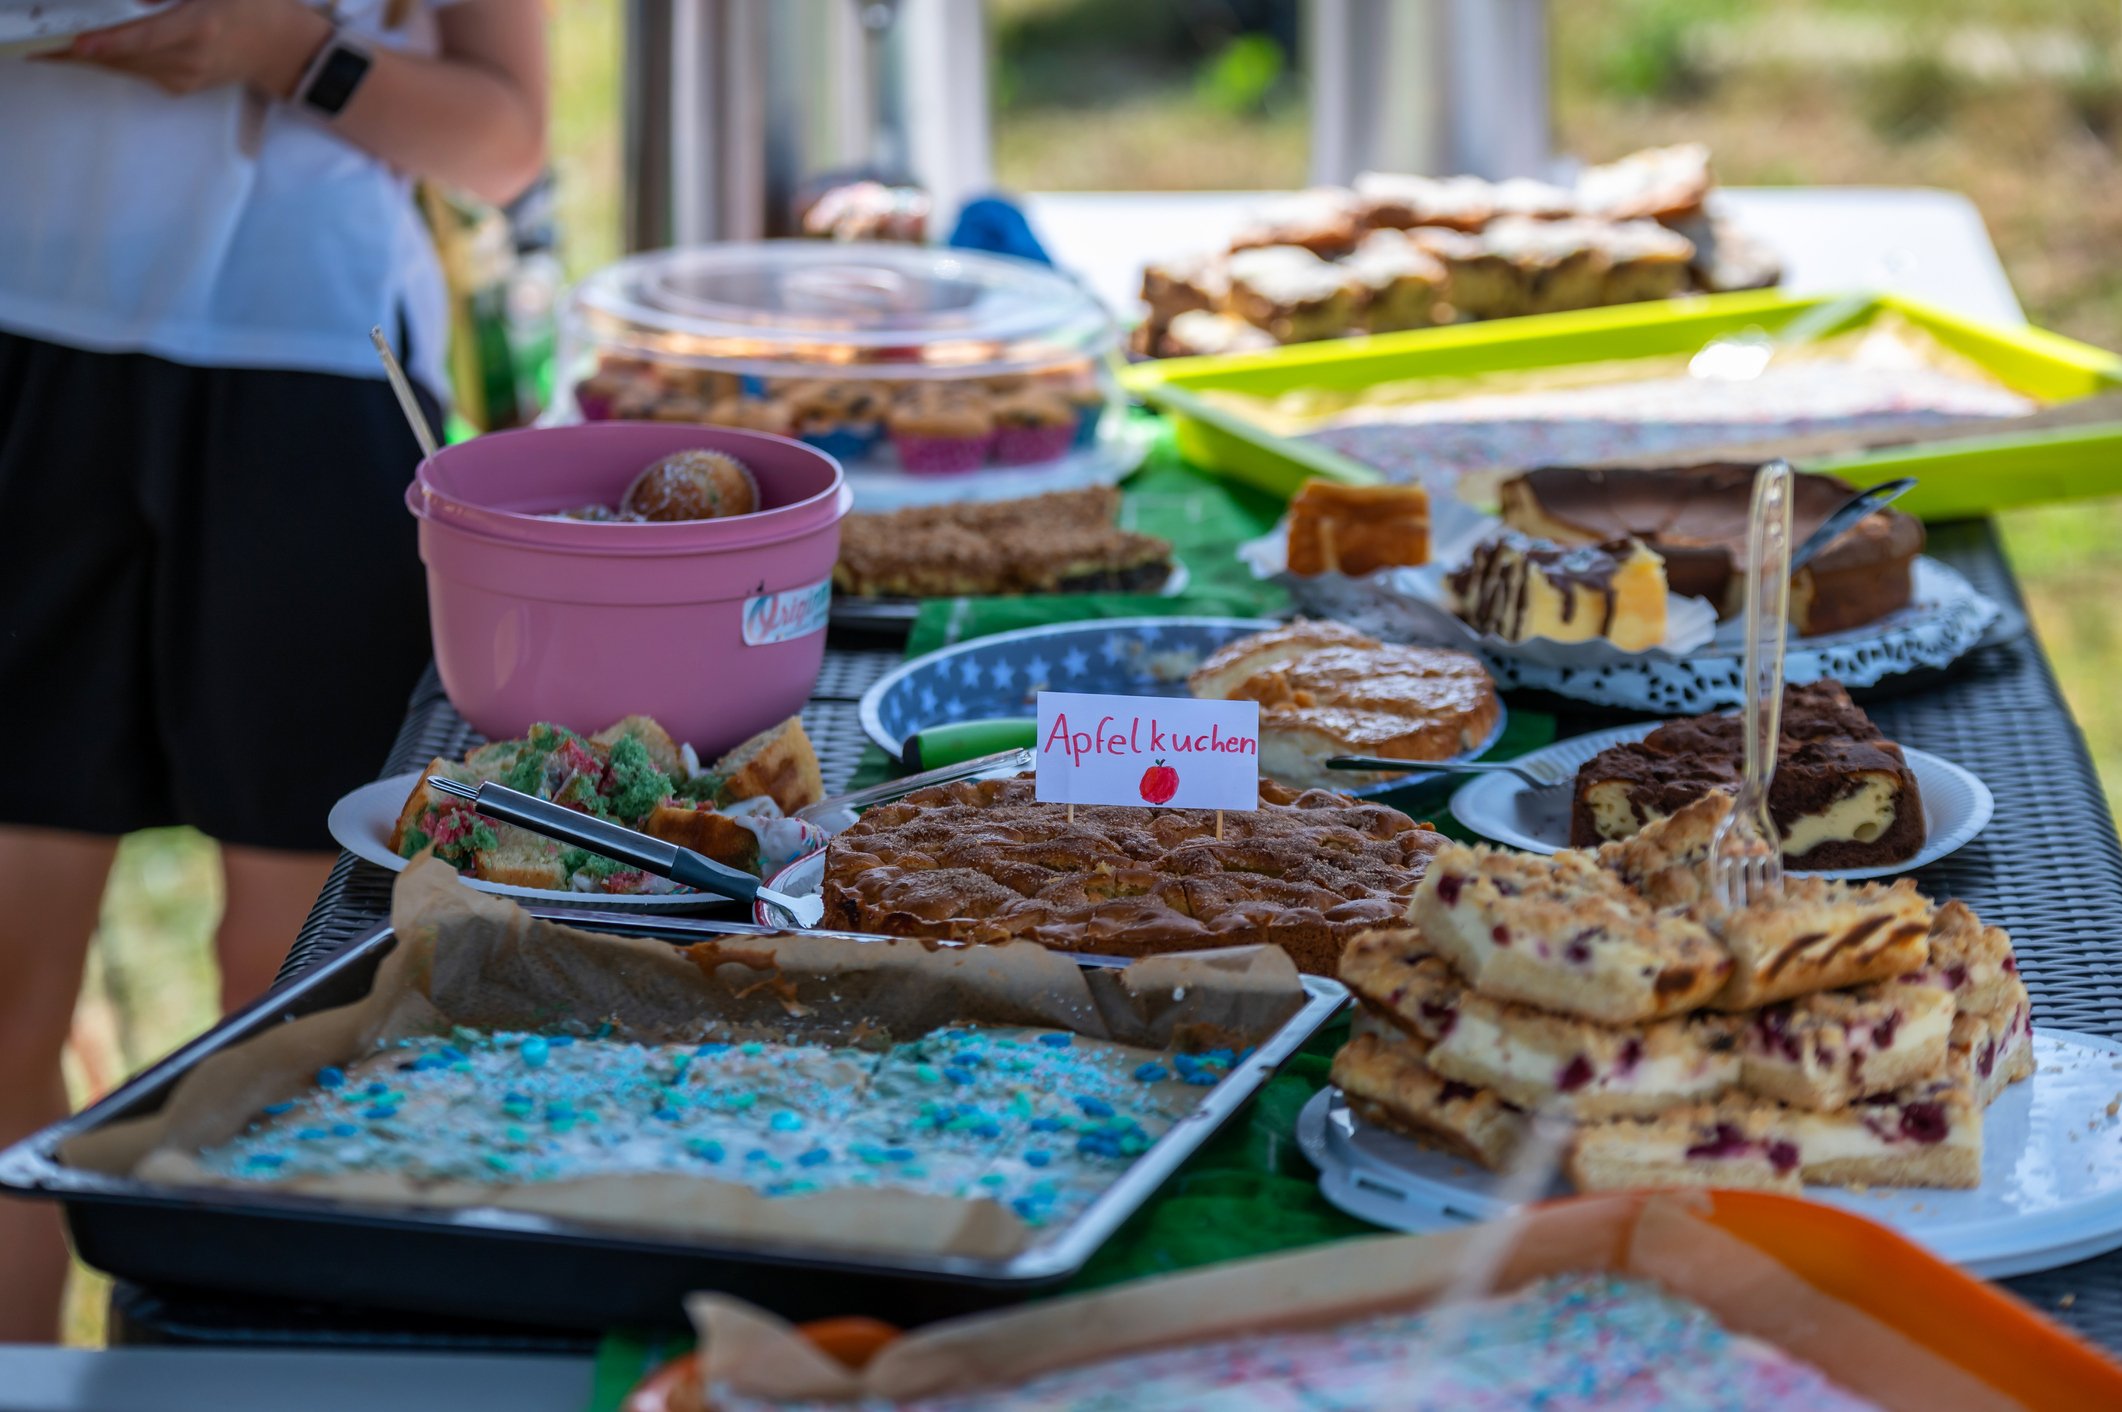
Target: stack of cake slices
<point>1849,1034</point>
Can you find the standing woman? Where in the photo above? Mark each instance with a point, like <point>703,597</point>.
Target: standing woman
<point>211,607</point>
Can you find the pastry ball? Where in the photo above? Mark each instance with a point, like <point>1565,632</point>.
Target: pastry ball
<point>692,485</point>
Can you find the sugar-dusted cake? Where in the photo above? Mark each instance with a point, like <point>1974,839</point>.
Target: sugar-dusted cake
<point>1564,934</point>
<point>1039,1121</point>
<point>985,861</point>
<point>1292,293</point>
<point>1518,589</point>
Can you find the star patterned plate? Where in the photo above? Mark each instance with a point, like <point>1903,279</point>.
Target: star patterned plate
<point>1001,676</point>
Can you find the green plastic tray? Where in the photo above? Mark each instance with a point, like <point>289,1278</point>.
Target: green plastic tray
<point>1955,479</point>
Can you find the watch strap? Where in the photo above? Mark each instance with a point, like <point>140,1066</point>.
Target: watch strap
<point>333,75</point>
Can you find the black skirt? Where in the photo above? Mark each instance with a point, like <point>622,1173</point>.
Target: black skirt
<point>211,602</point>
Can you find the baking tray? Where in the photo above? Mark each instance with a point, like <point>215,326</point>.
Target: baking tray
<point>525,1268</point>
<point>1955,479</point>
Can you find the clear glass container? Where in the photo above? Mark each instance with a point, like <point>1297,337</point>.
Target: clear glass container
<point>902,361</point>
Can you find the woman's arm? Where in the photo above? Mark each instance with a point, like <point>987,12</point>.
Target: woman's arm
<point>473,118</point>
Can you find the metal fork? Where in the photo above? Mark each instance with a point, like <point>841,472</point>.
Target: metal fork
<point>1745,855</point>
<point>1541,774</point>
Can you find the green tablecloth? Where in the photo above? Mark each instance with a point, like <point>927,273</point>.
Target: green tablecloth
<point>1249,1191</point>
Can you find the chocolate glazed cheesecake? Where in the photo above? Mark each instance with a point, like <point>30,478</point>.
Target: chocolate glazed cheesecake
<point>1695,518</point>
<point>1843,795</point>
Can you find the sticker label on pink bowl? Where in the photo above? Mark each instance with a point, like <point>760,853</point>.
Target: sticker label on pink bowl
<point>790,614</point>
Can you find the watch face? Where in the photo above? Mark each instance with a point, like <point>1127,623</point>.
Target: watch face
<point>336,81</point>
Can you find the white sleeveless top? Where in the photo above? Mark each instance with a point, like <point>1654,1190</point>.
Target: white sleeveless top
<point>210,229</point>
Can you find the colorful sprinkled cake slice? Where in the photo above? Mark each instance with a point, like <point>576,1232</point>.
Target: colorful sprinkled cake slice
<point>1827,1050</point>
<point>1563,934</point>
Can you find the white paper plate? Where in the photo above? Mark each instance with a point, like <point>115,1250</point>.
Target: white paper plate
<point>1956,805</point>
<point>362,824</point>
<point>2051,1188</point>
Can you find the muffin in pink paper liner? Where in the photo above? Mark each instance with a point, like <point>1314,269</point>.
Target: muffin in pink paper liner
<point>936,437</point>
<point>1033,426</point>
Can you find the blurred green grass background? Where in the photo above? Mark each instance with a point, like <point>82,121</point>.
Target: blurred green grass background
<point>2017,103</point>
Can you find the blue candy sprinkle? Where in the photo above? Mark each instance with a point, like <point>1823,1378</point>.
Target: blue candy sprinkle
<point>377,1088</point>
<point>958,1075</point>
<point>558,1112</point>
<point>992,1179</point>
<point>561,1041</point>
<point>1093,1107</point>
<point>667,1115</point>
<point>1058,1041</point>
<point>265,1160</point>
<point>1038,1157</point>
<point>496,1161</point>
<point>274,1110</point>
<point>535,1052</point>
<point>428,1063</point>
<point>451,1054</point>
<point>515,1096</point>
<point>1152,1073</point>
<point>312,1134</point>
<point>752,1050</point>
<point>379,1112</point>
<point>927,1074</point>
<point>1047,1125</point>
<point>989,1128</point>
<point>785,1122</point>
<point>708,1051</point>
<point>331,1076</point>
<point>706,1149</point>
<point>344,1130</point>
<point>898,1154</point>
<point>814,1157</point>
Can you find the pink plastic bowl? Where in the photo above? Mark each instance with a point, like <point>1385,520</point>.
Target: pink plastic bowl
<point>714,627</point>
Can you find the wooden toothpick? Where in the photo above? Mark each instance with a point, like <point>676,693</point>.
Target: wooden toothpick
<point>1072,813</point>
<point>1219,826</point>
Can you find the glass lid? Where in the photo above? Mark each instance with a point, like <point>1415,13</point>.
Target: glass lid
<point>775,307</point>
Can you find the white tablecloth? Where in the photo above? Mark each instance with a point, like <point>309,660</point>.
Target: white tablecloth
<point>1929,245</point>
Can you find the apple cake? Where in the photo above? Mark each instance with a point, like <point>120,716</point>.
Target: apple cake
<point>985,861</point>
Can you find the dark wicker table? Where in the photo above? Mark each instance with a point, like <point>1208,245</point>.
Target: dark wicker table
<point>2048,869</point>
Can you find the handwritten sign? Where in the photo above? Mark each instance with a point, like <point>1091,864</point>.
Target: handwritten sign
<point>1148,750</point>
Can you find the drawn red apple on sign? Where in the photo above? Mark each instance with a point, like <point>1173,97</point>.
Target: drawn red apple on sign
<point>1159,783</point>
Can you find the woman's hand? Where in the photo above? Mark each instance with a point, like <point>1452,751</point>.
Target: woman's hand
<point>201,44</point>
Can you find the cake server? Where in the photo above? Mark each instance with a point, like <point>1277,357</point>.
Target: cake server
<point>628,846</point>
<point>1540,774</point>
<point>1886,492</point>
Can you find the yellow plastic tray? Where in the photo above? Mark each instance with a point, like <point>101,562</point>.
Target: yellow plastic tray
<point>1955,479</point>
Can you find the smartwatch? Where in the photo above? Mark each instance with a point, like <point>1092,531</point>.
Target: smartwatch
<point>331,79</point>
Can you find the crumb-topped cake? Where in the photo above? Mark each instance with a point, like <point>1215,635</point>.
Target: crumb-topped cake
<point>1564,1342</point>
<point>1826,1050</point>
<point>1536,1059</point>
<point>1327,690</point>
<point>1843,796</point>
<point>1564,934</point>
<point>1037,1121</point>
<point>1067,541</point>
<point>1820,935</point>
<point>985,861</point>
<point>1387,1080</point>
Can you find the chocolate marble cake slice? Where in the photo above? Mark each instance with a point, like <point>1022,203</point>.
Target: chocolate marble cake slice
<point>1843,795</point>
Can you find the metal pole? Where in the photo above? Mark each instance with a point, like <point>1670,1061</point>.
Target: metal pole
<point>1433,86</point>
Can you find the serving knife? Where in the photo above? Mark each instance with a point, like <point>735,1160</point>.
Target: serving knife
<point>628,846</point>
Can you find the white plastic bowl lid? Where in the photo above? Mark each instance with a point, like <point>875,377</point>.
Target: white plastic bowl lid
<point>783,307</point>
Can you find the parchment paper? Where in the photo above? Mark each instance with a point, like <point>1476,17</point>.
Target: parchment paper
<point>468,958</point>
<point>1661,1237</point>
